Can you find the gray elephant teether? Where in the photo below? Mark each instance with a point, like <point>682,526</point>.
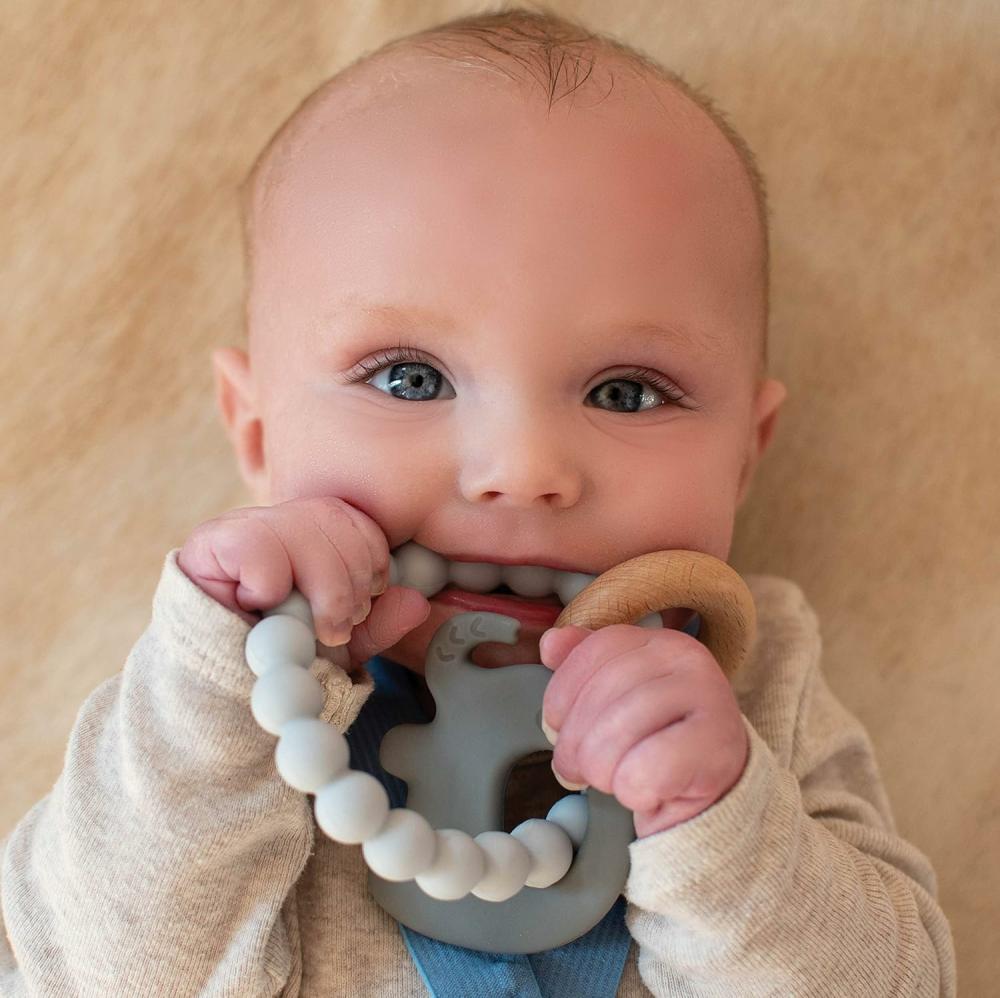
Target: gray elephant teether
<point>456,769</point>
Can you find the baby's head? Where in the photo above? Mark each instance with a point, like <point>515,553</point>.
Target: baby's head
<point>507,294</point>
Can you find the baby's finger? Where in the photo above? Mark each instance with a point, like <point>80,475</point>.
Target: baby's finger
<point>325,560</point>
<point>586,658</point>
<point>557,642</point>
<point>670,764</point>
<point>641,711</point>
<point>660,655</point>
<point>394,614</point>
<point>378,547</point>
<point>259,582</point>
<point>335,528</point>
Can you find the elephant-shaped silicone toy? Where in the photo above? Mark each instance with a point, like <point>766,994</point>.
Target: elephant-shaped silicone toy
<point>456,766</point>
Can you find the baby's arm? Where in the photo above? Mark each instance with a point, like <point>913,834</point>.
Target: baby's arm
<point>164,858</point>
<point>795,882</point>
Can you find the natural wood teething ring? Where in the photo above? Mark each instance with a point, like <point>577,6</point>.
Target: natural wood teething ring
<point>662,580</point>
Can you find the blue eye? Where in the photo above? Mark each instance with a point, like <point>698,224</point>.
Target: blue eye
<point>630,390</point>
<point>413,381</point>
<point>410,377</point>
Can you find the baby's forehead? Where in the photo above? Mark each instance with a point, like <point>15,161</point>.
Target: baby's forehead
<point>412,79</point>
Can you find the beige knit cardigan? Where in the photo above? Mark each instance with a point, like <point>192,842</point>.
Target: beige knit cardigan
<point>170,859</point>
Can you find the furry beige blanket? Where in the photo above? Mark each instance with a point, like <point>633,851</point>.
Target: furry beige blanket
<point>126,130</point>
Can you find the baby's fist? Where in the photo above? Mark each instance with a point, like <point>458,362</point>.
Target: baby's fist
<point>249,560</point>
<point>646,715</point>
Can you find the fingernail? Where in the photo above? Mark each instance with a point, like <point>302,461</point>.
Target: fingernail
<point>339,635</point>
<point>573,787</point>
<point>379,585</point>
<point>549,732</point>
<point>361,611</point>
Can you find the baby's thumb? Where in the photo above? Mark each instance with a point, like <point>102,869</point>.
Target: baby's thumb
<point>557,642</point>
<point>393,614</point>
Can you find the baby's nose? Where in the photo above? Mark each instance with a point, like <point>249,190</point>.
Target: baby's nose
<point>521,484</point>
<point>518,453</point>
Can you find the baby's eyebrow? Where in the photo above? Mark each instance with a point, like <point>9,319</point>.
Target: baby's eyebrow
<point>411,315</point>
<point>417,316</point>
<point>653,331</point>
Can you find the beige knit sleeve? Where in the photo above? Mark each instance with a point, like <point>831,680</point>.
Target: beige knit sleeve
<point>795,883</point>
<point>164,858</point>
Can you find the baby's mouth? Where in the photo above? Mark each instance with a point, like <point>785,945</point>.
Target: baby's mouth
<point>528,590</point>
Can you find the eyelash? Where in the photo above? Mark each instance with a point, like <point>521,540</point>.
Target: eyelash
<point>370,366</point>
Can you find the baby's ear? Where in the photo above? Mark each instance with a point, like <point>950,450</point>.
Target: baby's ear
<point>236,400</point>
<point>770,395</point>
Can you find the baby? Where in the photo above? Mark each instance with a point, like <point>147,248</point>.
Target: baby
<point>507,305</point>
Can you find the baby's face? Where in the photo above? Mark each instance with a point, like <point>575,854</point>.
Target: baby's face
<point>578,295</point>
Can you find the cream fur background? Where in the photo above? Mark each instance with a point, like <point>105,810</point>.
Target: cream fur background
<point>126,128</point>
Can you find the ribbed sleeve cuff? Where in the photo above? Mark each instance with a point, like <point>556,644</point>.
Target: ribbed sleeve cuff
<point>210,639</point>
<point>710,860</point>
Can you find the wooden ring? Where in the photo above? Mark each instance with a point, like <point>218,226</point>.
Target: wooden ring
<point>662,580</point>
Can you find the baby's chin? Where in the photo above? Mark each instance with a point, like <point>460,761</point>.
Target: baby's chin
<point>411,650</point>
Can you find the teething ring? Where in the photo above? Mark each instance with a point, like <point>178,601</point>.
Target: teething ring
<point>441,880</point>
<point>665,579</point>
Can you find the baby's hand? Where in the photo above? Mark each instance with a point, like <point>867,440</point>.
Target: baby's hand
<point>646,715</point>
<point>334,554</point>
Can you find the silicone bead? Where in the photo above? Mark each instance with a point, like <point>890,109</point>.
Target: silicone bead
<point>310,753</point>
<point>459,864</point>
<point>650,620</point>
<point>295,606</point>
<point>508,863</point>
<point>422,569</point>
<point>283,693</point>
<point>403,848</point>
<point>280,640</point>
<point>551,851</point>
<point>478,576</point>
<point>530,580</point>
<point>569,585</point>
<point>352,808</point>
<point>571,815</point>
